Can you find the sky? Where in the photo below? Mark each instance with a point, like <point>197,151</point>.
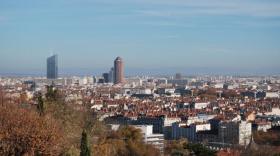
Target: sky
<point>152,36</point>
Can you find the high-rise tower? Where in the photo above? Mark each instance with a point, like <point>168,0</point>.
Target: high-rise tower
<point>111,75</point>
<point>119,71</point>
<point>52,67</point>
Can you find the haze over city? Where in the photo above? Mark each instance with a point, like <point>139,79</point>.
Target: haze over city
<point>153,37</point>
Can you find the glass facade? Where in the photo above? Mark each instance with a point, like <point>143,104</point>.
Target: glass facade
<point>52,67</point>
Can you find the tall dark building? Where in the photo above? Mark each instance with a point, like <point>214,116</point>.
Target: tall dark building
<point>106,77</point>
<point>111,75</point>
<point>119,71</point>
<point>52,67</point>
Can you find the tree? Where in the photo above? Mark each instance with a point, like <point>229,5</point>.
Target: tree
<point>40,106</point>
<point>130,133</point>
<point>110,147</point>
<point>24,132</point>
<point>124,142</point>
<point>51,93</point>
<point>200,150</point>
<point>71,120</point>
<point>85,151</point>
<point>177,148</point>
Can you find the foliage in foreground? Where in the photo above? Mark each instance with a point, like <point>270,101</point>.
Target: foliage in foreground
<point>124,142</point>
<point>24,132</point>
<point>183,148</point>
<point>54,127</point>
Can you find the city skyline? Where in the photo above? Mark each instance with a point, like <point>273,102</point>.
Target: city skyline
<point>192,37</point>
<point>163,71</point>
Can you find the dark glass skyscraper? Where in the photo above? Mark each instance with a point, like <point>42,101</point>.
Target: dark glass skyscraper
<point>52,67</point>
<point>119,71</point>
<point>111,75</point>
<point>106,77</point>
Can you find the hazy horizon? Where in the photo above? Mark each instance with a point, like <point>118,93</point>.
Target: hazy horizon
<point>168,71</point>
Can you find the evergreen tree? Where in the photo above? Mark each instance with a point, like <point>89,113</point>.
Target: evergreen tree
<point>40,106</point>
<point>85,151</point>
<point>51,93</point>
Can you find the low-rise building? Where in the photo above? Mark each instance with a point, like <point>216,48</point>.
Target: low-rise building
<point>182,130</point>
<point>235,132</point>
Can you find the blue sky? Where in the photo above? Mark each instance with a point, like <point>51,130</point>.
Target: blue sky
<point>153,36</point>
